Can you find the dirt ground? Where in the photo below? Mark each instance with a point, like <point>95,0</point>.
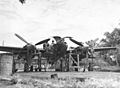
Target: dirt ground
<point>70,74</point>
<point>42,75</point>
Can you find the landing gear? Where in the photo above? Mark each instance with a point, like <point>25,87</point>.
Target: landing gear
<point>31,68</point>
<point>36,69</point>
<point>90,68</point>
<point>26,67</point>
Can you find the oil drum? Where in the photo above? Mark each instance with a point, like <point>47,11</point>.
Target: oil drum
<point>6,64</point>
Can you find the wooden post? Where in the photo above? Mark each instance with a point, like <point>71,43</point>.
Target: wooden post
<point>86,61</point>
<point>78,59</point>
<point>67,63</point>
<point>27,62</point>
<point>61,66</point>
<point>39,61</point>
<point>69,59</point>
<point>14,65</point>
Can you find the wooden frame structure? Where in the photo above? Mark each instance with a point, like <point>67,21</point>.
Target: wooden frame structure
<point>77,62</point>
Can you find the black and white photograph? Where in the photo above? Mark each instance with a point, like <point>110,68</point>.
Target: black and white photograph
<point>59,43</point>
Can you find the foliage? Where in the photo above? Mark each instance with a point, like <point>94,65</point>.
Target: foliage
<point>92,43</point>
<point>112,39</point>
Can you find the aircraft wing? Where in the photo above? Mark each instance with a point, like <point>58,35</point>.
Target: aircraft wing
<point>14,50</point>
<point>104,48</point>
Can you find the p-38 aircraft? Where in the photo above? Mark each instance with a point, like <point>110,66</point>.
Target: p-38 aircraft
<point>58,50</point>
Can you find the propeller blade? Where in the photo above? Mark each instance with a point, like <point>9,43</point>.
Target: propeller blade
<point>21,38</point>
<point>43,41</point>
<point>67,37</point>
<point>76,42</point>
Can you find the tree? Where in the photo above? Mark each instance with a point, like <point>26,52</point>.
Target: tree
<point>92,43</point>
<point>112,39</point>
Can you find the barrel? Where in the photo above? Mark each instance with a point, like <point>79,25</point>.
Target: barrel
<point>6,64</point>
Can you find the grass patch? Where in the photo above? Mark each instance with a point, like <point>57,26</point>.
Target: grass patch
<point>70,83</point>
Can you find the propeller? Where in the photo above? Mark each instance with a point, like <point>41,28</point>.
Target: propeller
<point>21,38</point>
<point>76,42</point>
<point>67,37</point>
<point>43,41</point>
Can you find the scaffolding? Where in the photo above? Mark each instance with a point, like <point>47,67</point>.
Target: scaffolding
<point>75,63</point>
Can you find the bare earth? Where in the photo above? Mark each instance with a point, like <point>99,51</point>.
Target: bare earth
<point>71,74</point>
<point>39,75</point>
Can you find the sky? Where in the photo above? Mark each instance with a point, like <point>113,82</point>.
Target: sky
<point>36,20</point>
